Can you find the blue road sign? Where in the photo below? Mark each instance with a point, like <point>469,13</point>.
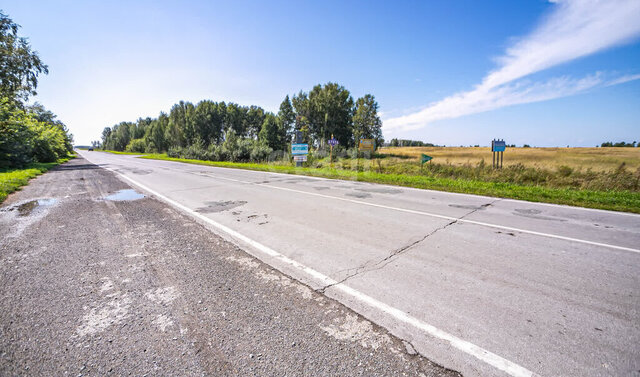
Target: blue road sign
<point>333,142</point>
<point>498,146</point>
<point>298,149</point>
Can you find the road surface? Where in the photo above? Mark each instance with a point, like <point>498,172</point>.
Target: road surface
<point>481,285</point>
<point>92,285</point>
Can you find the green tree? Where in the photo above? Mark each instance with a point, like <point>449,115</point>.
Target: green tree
<point>287,117</point>
<point>154,136</point>
<point>330,113</point>
<point>15,136</point>
<point>209,122</point>
<point>272,133</point>
<point>366,122</point>
<point>19,65</point>
<point>234,119</point>
<point>181,130</point>
<point>253,120</point>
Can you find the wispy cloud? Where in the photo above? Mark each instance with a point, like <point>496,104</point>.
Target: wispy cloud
<point>574,29</point>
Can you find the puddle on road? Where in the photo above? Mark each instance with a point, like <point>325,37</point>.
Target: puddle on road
<point>220,206</point>
<point>124,195</point>
<point>25,209</point>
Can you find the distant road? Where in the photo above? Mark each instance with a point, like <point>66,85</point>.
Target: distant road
<point>481,285</point>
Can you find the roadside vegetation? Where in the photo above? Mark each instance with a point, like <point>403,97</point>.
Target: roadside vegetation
<point>222,131</point>
<point>12,179</point>
<point>32,140</point>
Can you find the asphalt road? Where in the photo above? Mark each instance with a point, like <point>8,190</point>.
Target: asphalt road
<point>94,286</point>
<point>481,285</point>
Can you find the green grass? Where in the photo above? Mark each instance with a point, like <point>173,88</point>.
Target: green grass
<point>12,179</point>
<point>617,200</point>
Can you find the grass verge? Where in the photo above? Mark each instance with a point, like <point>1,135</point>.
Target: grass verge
<point>12,179</point>
<point>626,201</point>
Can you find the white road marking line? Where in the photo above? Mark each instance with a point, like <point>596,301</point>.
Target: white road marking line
<point>480,353</point>
<point>444,217</point>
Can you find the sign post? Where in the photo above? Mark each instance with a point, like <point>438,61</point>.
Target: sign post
<point>332,142</point>
<point>424,158</point>
<point>497,148</point>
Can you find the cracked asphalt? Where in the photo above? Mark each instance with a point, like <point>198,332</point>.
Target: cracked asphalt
<point>95,287</point>
<point>484,286</point>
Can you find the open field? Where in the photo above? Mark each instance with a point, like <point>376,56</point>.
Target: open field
<point>12,179</point>
<point>598,159</point>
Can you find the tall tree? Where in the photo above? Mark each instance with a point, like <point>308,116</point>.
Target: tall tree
<point>208,122</point>
<point>272,133</point>
<point>330,113</point>
<point>154,135</point>
<point>181,130</point>
<point>302,107</point>
<point>253,121</point>
<point>287,117</point>
<point>19,65</point>
<point>234,119</point>
<point>366,122</point>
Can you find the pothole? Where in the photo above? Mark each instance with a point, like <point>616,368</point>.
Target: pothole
<point>124,195</point>
<point>25,209</point>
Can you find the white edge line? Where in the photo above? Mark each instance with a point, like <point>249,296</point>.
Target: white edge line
<point>480,353</point>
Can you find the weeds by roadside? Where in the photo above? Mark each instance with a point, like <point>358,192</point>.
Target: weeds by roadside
<point>12,179</point>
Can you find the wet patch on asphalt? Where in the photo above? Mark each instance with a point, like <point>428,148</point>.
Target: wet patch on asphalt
<point>359,195</point>
<point>124,195</point>
<point>320,188</point>
<point>535,214</point>
<point>22,214</point>
<point>381,190</point>
<point>219,206</point>
<point>467,206</point>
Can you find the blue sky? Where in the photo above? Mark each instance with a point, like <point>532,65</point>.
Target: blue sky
<point>453,72</point>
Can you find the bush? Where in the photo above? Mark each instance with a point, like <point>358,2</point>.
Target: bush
<point>24,139</point>
<point>175,152</point>
<point>136,146</point>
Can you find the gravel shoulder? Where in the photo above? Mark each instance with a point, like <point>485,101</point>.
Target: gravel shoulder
<point>90,286</point>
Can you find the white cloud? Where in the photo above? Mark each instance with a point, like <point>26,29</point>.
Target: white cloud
<point>575,28</point>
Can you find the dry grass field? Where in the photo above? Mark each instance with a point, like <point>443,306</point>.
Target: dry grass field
<point>598,159</point>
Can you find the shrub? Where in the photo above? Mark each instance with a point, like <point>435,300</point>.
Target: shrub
<point>136,146</point>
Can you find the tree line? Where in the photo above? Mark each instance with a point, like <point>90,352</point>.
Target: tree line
<point>620,144</point>
<point>27,133</point>
<point>222,131</point>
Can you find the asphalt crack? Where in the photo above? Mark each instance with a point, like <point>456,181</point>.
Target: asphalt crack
<point>369,267</point>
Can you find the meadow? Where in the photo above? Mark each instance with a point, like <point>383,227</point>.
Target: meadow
<point>597,159</point>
